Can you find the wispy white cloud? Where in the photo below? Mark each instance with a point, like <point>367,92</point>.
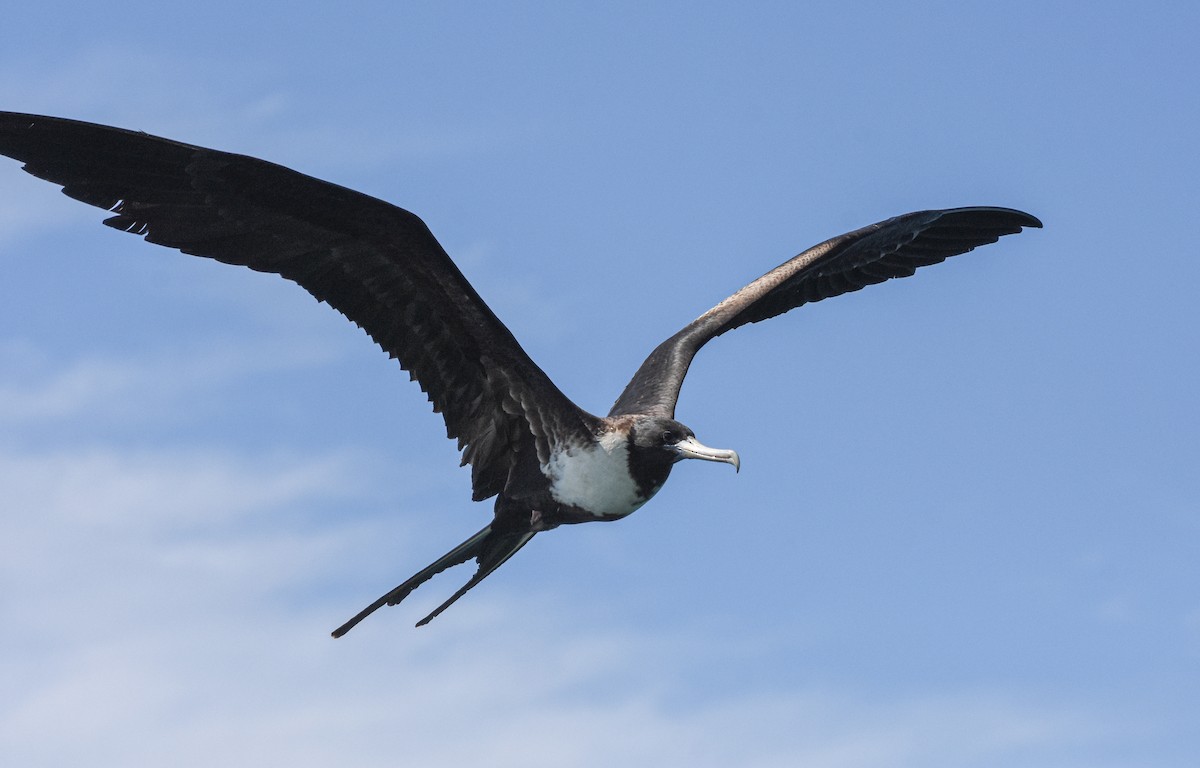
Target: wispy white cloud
<point>196,634</point>
<point>36,389</point>
<point>110,539</point>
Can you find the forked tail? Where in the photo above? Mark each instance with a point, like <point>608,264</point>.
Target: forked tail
<point>490,551</point>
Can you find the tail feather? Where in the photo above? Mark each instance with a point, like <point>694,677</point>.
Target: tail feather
<point>490,551</point>
<point>495,557</point>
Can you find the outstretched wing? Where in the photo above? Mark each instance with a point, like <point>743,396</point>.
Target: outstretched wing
<point>892,248</point>
<point>377,264</point>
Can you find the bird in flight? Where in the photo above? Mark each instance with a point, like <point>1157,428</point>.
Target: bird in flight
<point>546,461</point>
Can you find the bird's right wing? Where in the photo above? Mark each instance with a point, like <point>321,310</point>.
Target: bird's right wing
<point>377,264</point>
<point>892,248</point>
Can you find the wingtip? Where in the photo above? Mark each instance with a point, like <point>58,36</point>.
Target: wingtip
<point>1031,220</point>
<point>1021,218</point>
<point>993,214</point>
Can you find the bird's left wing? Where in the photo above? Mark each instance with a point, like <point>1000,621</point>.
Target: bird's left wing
<point>892,248</point>
<point>377,264</point>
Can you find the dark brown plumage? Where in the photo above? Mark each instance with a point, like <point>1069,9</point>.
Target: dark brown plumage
<point>377,264</point>
<point>547,461</point>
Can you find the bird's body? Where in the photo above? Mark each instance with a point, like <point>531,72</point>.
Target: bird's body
<point>546,461</point>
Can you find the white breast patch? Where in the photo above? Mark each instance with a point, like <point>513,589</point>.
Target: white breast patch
<point>595,477</point>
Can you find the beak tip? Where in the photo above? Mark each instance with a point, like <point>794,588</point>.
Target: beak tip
<point>693,449</point>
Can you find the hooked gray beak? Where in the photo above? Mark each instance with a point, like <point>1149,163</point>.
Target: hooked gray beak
<point>691,448</point>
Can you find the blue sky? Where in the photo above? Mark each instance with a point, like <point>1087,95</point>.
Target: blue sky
<point>965,532</point>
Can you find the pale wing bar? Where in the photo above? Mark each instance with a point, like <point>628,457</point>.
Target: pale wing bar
<point>893,248</point>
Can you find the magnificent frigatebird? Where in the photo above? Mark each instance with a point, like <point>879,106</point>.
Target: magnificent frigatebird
<point>547,461</point>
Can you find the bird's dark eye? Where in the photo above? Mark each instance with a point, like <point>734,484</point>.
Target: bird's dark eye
<point>667,437</point>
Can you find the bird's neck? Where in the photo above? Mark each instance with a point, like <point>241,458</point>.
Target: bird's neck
<point>649,469</point>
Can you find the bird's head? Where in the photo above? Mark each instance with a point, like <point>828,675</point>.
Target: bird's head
<point>660,435</point>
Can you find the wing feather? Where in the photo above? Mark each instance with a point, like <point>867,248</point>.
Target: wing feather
<point>889,249</point>
<point>377,264</point>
